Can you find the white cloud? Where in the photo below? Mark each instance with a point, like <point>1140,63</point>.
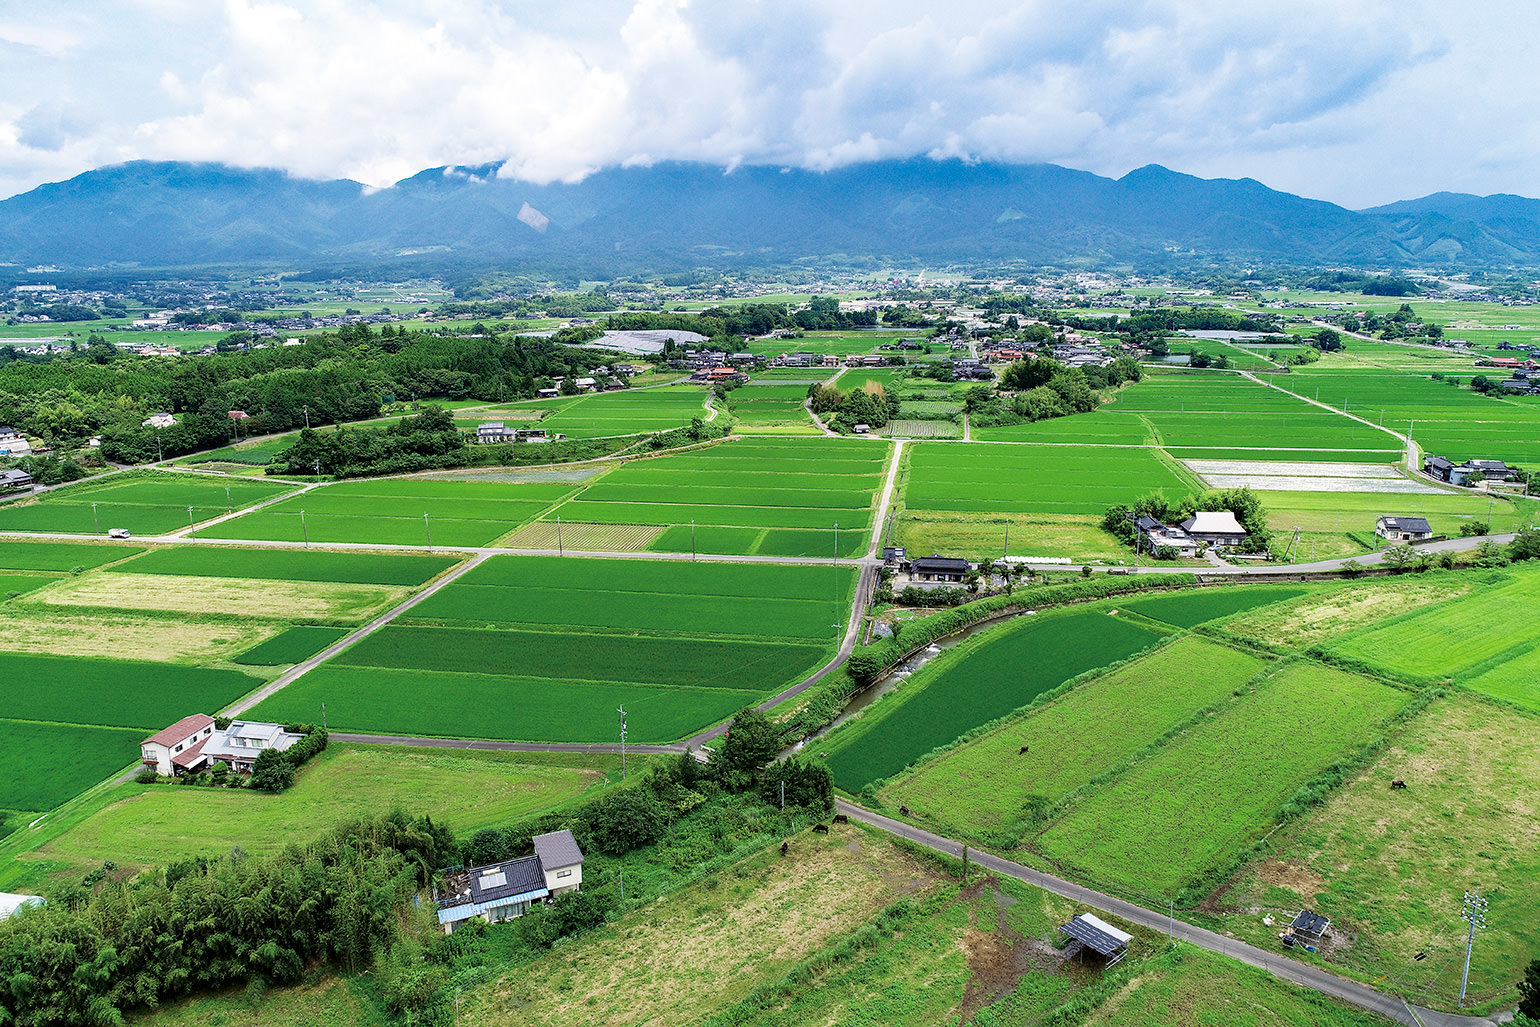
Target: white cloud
<point>1358,103</point>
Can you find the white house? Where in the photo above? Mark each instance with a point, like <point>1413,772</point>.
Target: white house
<point>162,420</point>
<point>172,751</point>
<point>243,741</point>
<point>13,442</point>
<point>195,743</point>
<point>503,891</point>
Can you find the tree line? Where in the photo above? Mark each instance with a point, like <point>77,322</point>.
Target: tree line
<point>346,899</point>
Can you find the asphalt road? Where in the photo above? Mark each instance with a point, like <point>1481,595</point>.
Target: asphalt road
<point>1278,965</point>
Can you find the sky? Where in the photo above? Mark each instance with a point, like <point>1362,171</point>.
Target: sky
<point>1359,103</point>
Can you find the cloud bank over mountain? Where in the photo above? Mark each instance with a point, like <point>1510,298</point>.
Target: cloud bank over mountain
<point>1356,103</point>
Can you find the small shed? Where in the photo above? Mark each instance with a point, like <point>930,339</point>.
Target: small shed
<point>1092,932</point>
<point>1307,930</point>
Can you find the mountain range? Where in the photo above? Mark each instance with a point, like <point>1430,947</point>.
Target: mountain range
<point>686,214</point>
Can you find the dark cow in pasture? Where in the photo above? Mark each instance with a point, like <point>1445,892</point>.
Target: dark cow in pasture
<point>903,811</point>
<point>820,828</point>
<point>785,848</point>
<point>840,818</point>
<point>1023,751</point>
<point>1397,783</point>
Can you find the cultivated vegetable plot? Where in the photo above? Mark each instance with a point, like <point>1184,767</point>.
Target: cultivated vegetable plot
<point>988,785</point>
<point>987,677</point>
<point>1199,800</point>
<point>145,504</point>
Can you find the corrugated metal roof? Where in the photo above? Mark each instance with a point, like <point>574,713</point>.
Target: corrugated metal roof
<point>181,730</point>
<point>1096,934</point>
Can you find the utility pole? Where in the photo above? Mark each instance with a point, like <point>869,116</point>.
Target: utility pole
<point>783,795</point>
<point>228,507</point>
<point>190,519</point>
<point>1171,922</point>
<point>323,716</point>
<point>95,521</point>
<point>836,540</point>
<point>1005,553</point>
<point>559,550</point>
<point>428,530</point>
<point>304,529</point>
<point>622,712</point>
<point>307,416</point>
<point>692,539</point>
<point>1473,910</point>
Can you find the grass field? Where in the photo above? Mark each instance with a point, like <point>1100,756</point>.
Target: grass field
<point>399,511</point>
<point>292,646</point>
<point>45,764</point>
<point>628,412</point>
<point>1471,634</point>
<point>145,503</point>
<point>1329,610</point>
<point>1389,867</point>
<point>467,789</point>
<point>288,565</point>
<point>767,912</point>
<point>1162,825</point>
<point>987,676</point>
<point>32,626</point>
<point>60,556</point>
<point>777,497</point>
<point>13,585</point>
<point>770,408</point>
<point>988,787</point>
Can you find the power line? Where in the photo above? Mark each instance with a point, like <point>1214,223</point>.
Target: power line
<point>1473,910</point>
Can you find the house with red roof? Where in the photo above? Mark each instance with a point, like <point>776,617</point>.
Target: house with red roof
<point>179,747</point>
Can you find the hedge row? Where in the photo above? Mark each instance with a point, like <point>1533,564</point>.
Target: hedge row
<point>868,662</point>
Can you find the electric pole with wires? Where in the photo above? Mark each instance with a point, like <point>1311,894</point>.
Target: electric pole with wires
<point>1473,910</point>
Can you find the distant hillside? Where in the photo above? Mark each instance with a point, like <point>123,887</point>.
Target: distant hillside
<point>943,211</point>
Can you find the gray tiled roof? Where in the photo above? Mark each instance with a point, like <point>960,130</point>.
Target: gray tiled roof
<point>557,849</point>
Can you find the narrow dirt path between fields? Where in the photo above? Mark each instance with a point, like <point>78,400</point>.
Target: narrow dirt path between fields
<point>299,670</point>
<point>1410,447</point>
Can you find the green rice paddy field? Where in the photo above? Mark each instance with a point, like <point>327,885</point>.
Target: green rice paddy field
<point>776,497</point>
<point>391,511</point>
<point>145,504</point>
<point>771,408</point>
<point>546,649</point>
<point>291,646</point>
<point>290,565</point>
<point>61,556</point>
<point>991,674</point>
